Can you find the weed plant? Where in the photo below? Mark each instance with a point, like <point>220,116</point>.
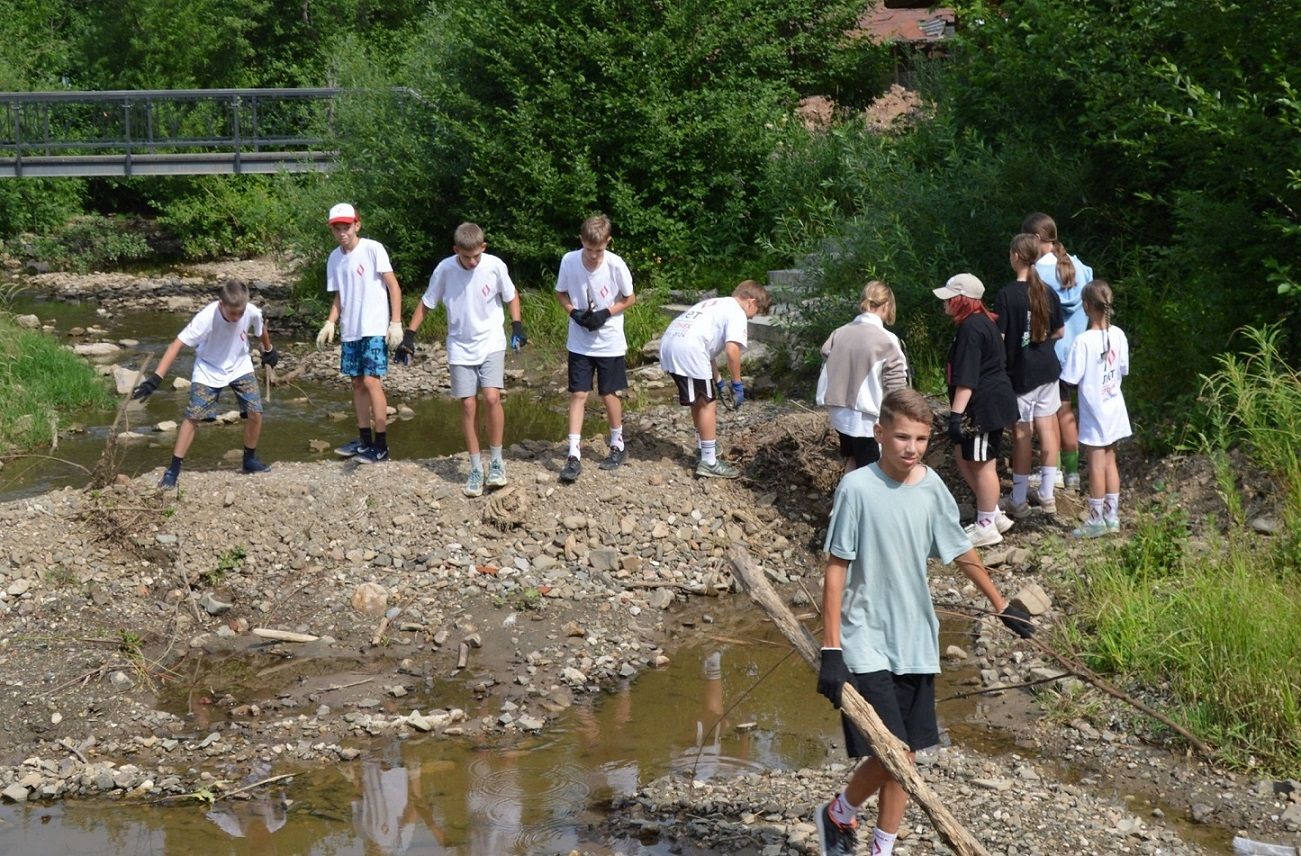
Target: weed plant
<point>40,384</point>
<point>1213,625</point>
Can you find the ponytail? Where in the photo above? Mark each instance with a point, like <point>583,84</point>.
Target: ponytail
<point>1025,249</point>
<point>1044,228</point>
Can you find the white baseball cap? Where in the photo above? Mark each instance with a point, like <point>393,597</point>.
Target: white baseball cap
<point>343,213</point>
<point>961,285</point>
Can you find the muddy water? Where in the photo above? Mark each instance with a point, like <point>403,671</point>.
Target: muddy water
<point>296,414</point>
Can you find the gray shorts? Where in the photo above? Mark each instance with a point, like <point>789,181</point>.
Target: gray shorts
<point>490,374</point>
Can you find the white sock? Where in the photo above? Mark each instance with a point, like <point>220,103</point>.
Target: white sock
<point>1111,504</point>
<point>1047,481</point>
<point>616,438</point>
<point>1020,487</point>
<point>1095,509</point>
<point>841,811</point>
<point>986,518</point>
<point>495,452</point>
<point>709,452</point>
<point>882,843</point>
<point>574,440</point>
<point>476,461</point>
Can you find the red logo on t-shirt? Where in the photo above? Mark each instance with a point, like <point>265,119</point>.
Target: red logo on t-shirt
<point>605,289</point>
<point>361,270</point>
<point>485,291</point>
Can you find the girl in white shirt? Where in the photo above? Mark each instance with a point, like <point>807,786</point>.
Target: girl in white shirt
<point>1098,360</point>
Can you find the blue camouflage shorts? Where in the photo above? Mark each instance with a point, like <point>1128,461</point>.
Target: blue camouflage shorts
<point>203,399</point>
<point>364,357</point>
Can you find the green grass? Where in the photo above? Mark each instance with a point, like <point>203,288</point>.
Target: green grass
<point>1212,626</point>
<point>41,385</point>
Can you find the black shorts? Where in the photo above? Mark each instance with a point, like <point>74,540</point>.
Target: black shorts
<point>611,373</point>
<point>983,447</point>
<point>864,450</point>
<point>1066,390</point>
<point>905,703</point>
<point>693,389</point>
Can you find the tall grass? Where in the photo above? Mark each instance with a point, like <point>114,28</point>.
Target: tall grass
<point>41,383</point>
<point>1213,626</point>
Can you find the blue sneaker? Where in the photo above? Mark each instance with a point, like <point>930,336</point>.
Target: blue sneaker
<point>835,839</point>
<point>347,450</point>
<point>474,484</point>
<point>371,455</point>
<point>168,481</point>
<point>253,465</point>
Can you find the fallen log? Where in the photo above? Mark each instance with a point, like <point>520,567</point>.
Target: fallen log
<point>885,746</point>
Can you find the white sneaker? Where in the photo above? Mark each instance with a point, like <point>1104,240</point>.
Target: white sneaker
<point>1072,482</point>
<point>984,536</point>
<point>1003,522</point>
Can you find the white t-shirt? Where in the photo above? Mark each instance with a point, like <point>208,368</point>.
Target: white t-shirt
<point>358,277</point>
<point>221,346</point>
<point>700,334</point>
<point>474,301</point>
<point>595,289</point>
<point>1097,362</point>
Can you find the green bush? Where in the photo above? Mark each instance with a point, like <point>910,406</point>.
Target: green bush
<point>39,204</point>
<point>91,241</point>
<point>243,215</point>
<point>41,383</point>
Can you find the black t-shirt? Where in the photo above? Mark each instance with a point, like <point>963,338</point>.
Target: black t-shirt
<point>976,361</point>
<point>1029,364</point>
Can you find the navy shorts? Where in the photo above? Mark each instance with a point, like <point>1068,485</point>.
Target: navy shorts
<point>983,447</point>
<point>693,389</point>
<point>864,450</point>
<point>203,399</point>
<point>611,373</point>
<point>905,703</point>
<point>364,357</point>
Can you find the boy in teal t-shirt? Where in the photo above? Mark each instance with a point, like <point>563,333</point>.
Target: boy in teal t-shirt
<point>881,633</point>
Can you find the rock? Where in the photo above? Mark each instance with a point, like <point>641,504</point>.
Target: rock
<point>574,677</point>
<point>15,793</point>
<point>180,383</point>
<point>1201,812</point>
<point>96,349</point>
<point>1266,525</point>
<point>1033,599</point>
<point>166,426</point>
<point>120,680</point>
<point>213,605</point>
<point>1243,846</point>
<point>17,588</point>
<point>370,599</point>
<point>604,559</point>
<point>661,598</point>
<point>318,445</point>
<point>125,379</point>
<point>28,322</point>
<point>530,723</point>
<point>953,652</point>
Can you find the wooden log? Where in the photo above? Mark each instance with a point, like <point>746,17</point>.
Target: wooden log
<point>885,746</point>
<point>283,635</point>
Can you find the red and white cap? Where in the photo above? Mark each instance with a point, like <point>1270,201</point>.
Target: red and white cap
<point>343,213</point>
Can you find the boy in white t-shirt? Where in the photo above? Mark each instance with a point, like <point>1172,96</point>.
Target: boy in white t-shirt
<point>595,287</point>
<point>688,350</point>
<point>368,306</point>
<point>474,285</point>
<point>219,335</point>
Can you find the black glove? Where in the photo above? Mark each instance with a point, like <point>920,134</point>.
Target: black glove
<point>146,387</point>
<point>407,349</point>
<point>596,320</point>
<point>580,316</point>
<point>832,674</point>
<point>955,428</point>
<point>1017,620</point>
<point>517,337</point>
<point>270,357</point>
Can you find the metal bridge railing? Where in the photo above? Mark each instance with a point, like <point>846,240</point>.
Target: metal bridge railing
<point>165,131</point>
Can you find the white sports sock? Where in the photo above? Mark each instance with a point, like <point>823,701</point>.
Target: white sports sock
<point>986,518</point>
<point>709,452</point>
<point>1095,508</point>
<point>476,461</point>
<point>1047,481</point>
<point>1020,487</point>
<point>841,811</point>
<point>574,440</point>
<point>616,438</point>
<point>495,454</point>
<point>1111,504</point>
<point>882,843</point>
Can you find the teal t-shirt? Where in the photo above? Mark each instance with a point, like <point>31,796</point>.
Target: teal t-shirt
<point>887,530</point>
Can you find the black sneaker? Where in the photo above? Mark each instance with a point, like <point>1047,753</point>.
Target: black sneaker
<point>573,467</point>
<point>168,481</point>
<point>614,459</point>
<point>835,839</point>
<point>371,455</point>
<point>253,465</point>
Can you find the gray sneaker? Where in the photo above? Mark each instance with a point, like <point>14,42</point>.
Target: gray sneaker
<point>347,450</point>
<point>496,474</point>
<point>573,467</point>
<point>720,469</point>
<point>474,484</point>
<point>614,459</point>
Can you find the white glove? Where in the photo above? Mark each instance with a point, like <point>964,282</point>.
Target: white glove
<point>326,336</point>
<point>394,337</point>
